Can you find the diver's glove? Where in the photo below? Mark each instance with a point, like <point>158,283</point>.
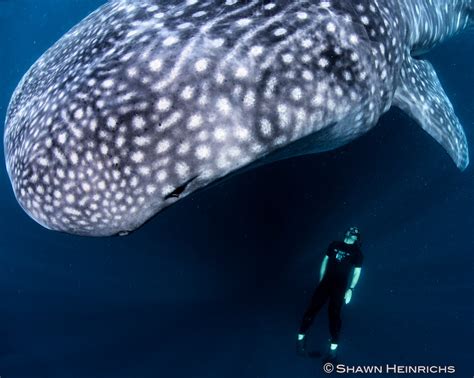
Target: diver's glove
<point>348,296</point>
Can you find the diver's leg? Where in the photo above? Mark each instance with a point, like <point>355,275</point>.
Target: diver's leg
<point>318,299</point>
<point>336,300</point>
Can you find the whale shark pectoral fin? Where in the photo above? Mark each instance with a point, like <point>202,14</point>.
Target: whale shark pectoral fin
<point>421,95</point>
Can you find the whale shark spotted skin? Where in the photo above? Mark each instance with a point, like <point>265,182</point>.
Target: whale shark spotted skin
<point>144,101</point>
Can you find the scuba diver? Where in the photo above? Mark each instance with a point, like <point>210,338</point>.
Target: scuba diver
<point>341,265</point>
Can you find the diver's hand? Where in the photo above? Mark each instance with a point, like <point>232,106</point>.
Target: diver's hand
<point>348,296</point>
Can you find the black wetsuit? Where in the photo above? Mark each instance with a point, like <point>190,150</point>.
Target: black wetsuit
<point>342,258</point>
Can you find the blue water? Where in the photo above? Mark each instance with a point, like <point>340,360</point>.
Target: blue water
<point>216,285</point>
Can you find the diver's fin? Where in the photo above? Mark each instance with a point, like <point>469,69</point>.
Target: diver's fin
<point>420,94</point>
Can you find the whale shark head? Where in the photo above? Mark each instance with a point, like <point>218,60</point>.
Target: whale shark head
<point>90,145</point>
<point>141,104</point>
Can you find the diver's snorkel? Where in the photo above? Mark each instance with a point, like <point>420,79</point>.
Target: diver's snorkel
<point>354,231</point>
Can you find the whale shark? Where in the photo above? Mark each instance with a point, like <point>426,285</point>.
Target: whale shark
<point>144,102</point>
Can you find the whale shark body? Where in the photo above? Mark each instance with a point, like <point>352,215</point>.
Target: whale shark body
<point>144,101</point>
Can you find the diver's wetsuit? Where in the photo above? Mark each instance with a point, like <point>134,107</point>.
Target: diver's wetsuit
<point>342,258</point>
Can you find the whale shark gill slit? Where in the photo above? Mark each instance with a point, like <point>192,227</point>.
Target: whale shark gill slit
<point>310,144</point>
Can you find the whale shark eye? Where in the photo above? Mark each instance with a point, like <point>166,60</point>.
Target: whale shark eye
<point>180,189</point>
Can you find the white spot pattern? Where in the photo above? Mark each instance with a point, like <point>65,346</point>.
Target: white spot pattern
<point>143,96</point>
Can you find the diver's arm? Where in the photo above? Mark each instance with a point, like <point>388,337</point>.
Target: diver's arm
<point>355,277</point>
<point>323,267</point>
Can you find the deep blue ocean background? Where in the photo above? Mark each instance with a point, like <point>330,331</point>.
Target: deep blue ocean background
<point>216,285</point>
